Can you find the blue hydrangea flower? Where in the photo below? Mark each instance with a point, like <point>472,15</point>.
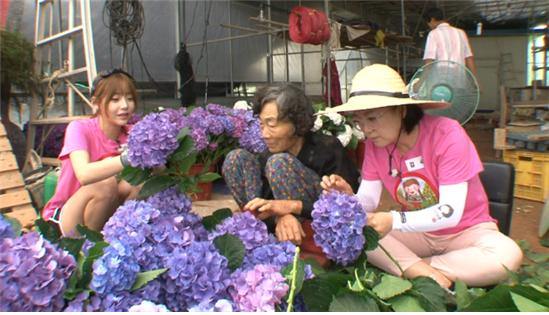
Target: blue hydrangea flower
<point>149,307</point>
<point>150,235</point>
<point>251,139</point>
<point>197,274</point>
<point>338,220</point>
<point>258,289</point>
<point>116,270</point>
<point>6,230</point>
<point>221,305</point>
<point>279,254</point>
<point>170,201</point>
<point>152,140</point>
<point>244,225</point>
<point>33,274</point>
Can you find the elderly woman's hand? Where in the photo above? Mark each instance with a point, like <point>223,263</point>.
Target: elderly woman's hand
<point>336,182</point>
<point>288,228</point>
<point>382,222</point>
<point>267,208</point>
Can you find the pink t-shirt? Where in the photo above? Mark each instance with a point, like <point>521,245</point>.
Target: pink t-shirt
<point>443,155</point>
<point>446,42</point>
<point>84,135</point>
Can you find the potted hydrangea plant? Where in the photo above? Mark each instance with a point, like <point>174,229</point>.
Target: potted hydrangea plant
<point>182,145</point>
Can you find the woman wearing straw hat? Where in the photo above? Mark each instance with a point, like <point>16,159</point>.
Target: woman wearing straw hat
<point>449,234</point>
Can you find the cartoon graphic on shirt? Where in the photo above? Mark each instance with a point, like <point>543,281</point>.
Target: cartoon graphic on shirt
<point>414,191</point>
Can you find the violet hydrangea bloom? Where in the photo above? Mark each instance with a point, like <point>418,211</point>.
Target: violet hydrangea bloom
<point>251,231</point>
<point>258,289</point>
<point>152,140</point>
<point>279,254</point>
<point>148,306</point>
<point>338,220</point>
<point>150,235</point>
<point>6,230</point>
<point>33,274</point>
<point>196,274</point>
<point>170,201</point>
<point>252,139</point>
<point>221,305</point>
<point>116,270</point>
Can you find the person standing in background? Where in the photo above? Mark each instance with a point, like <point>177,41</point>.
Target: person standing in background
<point>446,42</point>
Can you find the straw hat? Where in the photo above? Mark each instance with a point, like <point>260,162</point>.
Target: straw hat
<point>379,86</point>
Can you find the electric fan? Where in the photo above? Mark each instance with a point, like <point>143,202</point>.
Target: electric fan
<point>447,81</point>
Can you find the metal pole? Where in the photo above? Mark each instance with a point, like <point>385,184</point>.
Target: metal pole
<point>230,53</point>
<point>178,40</point>
<point>403,21</point>
<point>269,47</point>
<point>328,61</point>
<point>287,58</point>
<point>303,85</point>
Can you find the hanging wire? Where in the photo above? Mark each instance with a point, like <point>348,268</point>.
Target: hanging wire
<point>126,20</point>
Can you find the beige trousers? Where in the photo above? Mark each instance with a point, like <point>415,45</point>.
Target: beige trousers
<point>476,256</point>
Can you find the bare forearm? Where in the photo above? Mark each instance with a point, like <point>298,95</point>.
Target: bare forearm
<point>98,171</point>
<point>470,64</point>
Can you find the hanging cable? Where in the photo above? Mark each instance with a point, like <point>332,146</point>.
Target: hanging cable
<point>126,20</point>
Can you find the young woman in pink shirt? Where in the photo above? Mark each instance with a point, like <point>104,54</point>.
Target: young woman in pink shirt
<point>430,166</point>
<point>88,191</point>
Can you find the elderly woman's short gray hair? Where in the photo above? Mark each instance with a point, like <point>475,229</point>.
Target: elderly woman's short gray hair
<point>292,103</point>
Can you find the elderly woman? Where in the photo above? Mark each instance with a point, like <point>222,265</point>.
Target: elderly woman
<point>431,167</point>
<point>282,184</point>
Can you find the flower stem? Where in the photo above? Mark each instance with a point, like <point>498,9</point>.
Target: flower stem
<point>391,258</point>
<point>293,274</point>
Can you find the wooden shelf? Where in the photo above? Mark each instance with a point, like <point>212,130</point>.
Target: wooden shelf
<point>58,120</point>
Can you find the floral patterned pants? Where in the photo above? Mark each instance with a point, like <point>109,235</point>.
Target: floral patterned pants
<point>287,177</point>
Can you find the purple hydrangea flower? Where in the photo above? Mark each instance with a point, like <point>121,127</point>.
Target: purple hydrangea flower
<point>33,274</point>
<point>279,254</point>
<point>6,230</point>
<point>117,302</point>
<point>149,307</point>
<point>221,305</point>
<point>252,139</point>
<point>177,116</point>
<point>116,270</point>
<point>151,236</point>
<point>170,201</point>
<point>197,274</point>
<point>251,231</point>
<point>338,220</point>
<point>152,140</point>
<point>258,289</point>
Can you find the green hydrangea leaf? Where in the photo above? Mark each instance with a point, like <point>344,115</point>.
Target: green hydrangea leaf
<point>405,303</point>
<point>232,248</point>
<point>391,286</point>
<point>134,175</point>
<point>300,275</point>
<point>319,291</point>
<point>145,277</point>
<point>351,302</point>
<point>208,177</point>
<point>429,293</point>
<point>211,221</point>
<point>495,300</point>
<point>156,184</point>
<point>372,238</point>
<point>526,305</point>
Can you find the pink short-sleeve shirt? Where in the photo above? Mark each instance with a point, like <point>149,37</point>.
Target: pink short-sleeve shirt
<point>443,155</point>
<point>83,135</point>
